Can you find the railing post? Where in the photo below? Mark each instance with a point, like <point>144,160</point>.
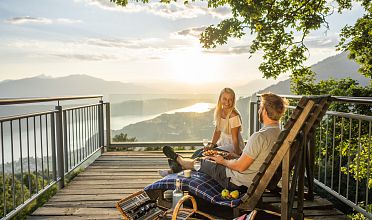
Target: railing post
<point>64,116</point>
<point>108,125</point>
<point>53,138</point>
<point>310,173</point>
<point>252,118</point>
<point>59,137</point>
<point>101,126</point>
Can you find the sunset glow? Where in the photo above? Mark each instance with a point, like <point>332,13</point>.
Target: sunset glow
<point>194,67</point>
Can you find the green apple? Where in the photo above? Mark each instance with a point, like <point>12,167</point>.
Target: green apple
<point>225,193</point>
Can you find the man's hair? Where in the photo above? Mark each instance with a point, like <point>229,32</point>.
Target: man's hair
<point>274,105</point>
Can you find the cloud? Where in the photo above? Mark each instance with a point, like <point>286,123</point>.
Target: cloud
<point>110,42</point>
<point>221,12</point>
<point>242,49</point>
<point>321,41</point>
<point>155,58</point>
<point>28,20</point>
<point>129,43</point>
<point>66,21</point>
<point>190,32</point>
<point>85,57</point>
<point>172,10</point>
<point>38,20</point>
<point>94,49</point>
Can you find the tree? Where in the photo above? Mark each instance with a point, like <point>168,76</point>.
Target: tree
<point>11,202</point>
<point>275,25</point>
<point>123,138</point>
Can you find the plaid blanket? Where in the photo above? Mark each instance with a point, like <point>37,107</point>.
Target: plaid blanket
<point>203,187</point>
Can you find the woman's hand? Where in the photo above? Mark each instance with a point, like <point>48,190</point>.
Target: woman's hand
<point>208,147</point>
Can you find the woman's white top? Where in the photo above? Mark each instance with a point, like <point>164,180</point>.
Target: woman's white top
<point>226,142</point>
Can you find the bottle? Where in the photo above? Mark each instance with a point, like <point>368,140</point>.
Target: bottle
<point>177,194</point>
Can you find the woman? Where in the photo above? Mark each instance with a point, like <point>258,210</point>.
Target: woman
<point>228,126</point>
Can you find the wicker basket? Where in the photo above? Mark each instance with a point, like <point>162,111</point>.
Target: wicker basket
<point>183,213</point>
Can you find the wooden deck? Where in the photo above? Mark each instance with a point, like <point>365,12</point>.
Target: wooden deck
<point>114,175</point>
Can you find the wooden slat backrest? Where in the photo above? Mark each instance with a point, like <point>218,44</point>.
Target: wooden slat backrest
<point>316,116</point>
<point>304,118</point>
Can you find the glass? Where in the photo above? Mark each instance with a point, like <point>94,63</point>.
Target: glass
<point>197,165</point>
<point>205,142</point>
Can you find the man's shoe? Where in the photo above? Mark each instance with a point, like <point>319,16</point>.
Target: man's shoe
<point>174,166</point>
<point>169,152</point>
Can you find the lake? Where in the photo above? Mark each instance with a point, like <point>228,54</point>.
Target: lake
<point>121,121</point>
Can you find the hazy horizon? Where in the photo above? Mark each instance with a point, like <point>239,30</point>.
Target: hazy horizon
<point>141,43</point>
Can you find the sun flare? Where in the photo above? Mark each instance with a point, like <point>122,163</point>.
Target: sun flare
<point>194,67</point>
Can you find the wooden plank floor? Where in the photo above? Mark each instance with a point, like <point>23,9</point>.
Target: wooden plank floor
<point>114,175</point>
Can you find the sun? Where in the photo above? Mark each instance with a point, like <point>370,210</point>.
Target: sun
<point>192,66</point>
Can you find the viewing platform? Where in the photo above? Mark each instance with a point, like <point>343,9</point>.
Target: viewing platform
<point>41,150</point>
<point>93,193</point>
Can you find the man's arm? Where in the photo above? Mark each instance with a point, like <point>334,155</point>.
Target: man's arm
<point>240,165</point>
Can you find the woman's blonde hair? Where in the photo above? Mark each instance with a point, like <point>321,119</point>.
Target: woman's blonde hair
<point>274,105</point>
<point>218,109</point>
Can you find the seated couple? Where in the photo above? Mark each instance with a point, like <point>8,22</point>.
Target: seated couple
<point>239,173</point>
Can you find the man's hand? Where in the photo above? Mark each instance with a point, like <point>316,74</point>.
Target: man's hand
<point>218,159</point>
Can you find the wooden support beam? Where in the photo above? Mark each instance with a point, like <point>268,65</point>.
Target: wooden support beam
<point>285,187</point>
<point>301,181</point>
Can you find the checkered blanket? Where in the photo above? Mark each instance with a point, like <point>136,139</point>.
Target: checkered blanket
<point>203,187</point>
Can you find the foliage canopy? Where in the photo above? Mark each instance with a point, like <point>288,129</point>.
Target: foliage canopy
<point>280,28</point>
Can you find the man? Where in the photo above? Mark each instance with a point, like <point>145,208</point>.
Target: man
<point>239,173</point>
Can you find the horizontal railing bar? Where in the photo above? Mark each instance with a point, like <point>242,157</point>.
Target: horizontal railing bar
<point>12,101</point>
<point>344,114</point>
<point>359,100</point>
<point>16,117</point>
<point>350,115</point>
<point>156,144</point>
<point>284,96</point>
<point>343,199</point>
<point>28,201</point>
<point>79,107</point>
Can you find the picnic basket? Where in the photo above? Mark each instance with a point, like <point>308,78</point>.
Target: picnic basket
<point>139,206</point>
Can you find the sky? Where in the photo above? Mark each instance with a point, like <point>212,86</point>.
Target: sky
<point>139,43</point>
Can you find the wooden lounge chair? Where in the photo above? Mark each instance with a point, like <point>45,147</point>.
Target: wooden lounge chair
<point>292,145</point>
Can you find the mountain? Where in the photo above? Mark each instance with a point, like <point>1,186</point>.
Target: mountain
<point>253,86</point>
<point>180,126</point>
<point>185,126</point>
<point>337,67</point>
<point>42,86</point>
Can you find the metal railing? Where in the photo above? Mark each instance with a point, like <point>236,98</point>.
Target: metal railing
<point>51,144</point>
<point>343,149</point>
<point>39,149</point>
